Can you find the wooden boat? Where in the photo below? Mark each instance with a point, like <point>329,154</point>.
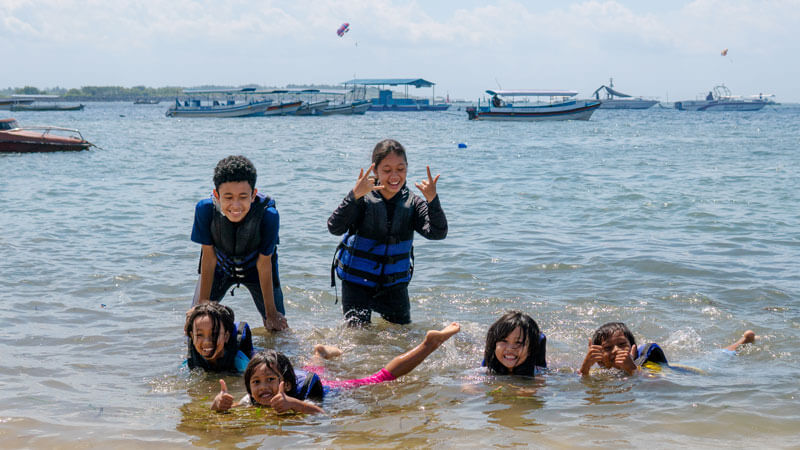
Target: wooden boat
<point>213,106</point>
<point>14,139</point>
<point>145,101</point>
<point>560,107</point>
<point>46,107</point>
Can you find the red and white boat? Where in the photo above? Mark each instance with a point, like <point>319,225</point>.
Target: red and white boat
<point>14,139</point>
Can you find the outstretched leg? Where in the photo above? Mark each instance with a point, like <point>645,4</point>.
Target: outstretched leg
<point>406,362</point>
<point>748,337</point>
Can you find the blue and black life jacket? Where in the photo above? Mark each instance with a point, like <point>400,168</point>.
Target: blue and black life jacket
<point>378,253</point>
<point>308,386</point>
<point>650,353</point>
<point>238,351</point>
<point>236,244</point>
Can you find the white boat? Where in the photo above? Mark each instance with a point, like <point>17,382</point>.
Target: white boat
<point>358,107</point>
<point>213,107</point>
<point>720,99</point>
<point>617,100</point>
<point>559,107</point>
<point>313,108</point>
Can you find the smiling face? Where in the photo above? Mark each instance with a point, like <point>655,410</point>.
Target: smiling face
<point>611,346</point>
<point>392,174</point>
<point>203,339</point>
<point>264,384</point>
<point>234,198</point>
<point>511,351</point>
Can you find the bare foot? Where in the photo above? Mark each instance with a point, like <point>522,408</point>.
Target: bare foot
<point>748,337</point>
<point>437,337</point>
<point>327,351</point>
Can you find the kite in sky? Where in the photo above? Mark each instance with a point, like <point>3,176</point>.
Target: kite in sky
<point>343,29</point>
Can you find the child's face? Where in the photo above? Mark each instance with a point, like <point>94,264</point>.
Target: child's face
<point>612,346</point>
<point>264,384</point>
<point>203,339</point>
<point>234,199</point>
<point>392,173</point>
<point>510,350</point>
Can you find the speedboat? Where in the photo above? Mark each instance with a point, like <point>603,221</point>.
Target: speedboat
<point>617,100</point>
<point>14,139</point>
<point>559,107</point>
<point>720,99</point>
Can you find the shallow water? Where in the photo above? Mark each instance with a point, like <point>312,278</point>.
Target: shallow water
<point>681,224</point>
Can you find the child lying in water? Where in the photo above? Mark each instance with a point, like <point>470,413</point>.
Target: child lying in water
<point>271,381</point>
<point>613,346</point>
<point>216,342</point>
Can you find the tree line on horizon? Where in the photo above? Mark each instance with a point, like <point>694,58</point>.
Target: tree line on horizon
<point>131,93</point>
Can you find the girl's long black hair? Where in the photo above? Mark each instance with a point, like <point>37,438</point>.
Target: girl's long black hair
<point>530,335</point>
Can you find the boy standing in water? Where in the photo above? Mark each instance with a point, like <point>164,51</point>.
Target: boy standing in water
<point>238,230</point>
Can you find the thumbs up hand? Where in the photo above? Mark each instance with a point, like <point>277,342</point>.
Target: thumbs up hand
<point>223,401</point>
<point>281,402</point>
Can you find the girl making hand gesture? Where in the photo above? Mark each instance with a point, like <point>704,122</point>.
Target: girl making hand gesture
<point>378,218</point>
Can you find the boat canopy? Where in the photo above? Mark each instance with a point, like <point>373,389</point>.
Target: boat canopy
<point>532,93</point>
<point>610,92</point>
<point>416,82</point>
<point>34,96</point>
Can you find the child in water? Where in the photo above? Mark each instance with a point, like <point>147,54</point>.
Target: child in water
<point>378,218</point>
<point>515,346</point>
<point>238,230</point>
<point>613,346</point>
<point>271,381</point>
<point>217,343</point>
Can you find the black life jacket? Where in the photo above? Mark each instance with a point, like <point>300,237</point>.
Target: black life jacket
<point>241,340</point>
<point>378,253</point>
<point>236,244</point>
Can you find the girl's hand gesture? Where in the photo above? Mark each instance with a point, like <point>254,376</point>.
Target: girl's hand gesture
<point>365,183</point>
<point>223,401</point>
<point>428,187</point>
<point>280,402</point>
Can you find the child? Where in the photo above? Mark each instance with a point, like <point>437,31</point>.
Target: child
<point>271,380</point>
<point>613,345</point>
<point>378,219</point>
<point>216,342</point>
<point>238,229</point>
<point>514,346</point>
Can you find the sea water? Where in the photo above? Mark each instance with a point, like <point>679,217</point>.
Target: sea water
<point>684,225</point>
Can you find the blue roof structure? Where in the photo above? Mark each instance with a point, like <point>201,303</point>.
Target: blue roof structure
<point>416,82</point>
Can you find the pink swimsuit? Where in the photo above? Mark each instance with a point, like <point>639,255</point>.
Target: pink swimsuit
<point>378,377</point>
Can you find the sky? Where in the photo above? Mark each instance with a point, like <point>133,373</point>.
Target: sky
<point>670,50</point>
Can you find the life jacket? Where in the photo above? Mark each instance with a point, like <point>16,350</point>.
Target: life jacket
<point>308,385</point>
<point>236,244</point>
<point>238,351</point>
<point>650,353</point>
<point>377,253</point>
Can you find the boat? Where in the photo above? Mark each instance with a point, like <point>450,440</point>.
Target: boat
<point>46,107</point>
<point>386,101</point>
<point>720,99</point>
<point>559,107</point>
<point>7,102</point>
<point>353,107</point>
<point>617,100</point>
<point>146,101</point>
<point>312,108</point>
<point>213,107</point>
<point>14,139</point>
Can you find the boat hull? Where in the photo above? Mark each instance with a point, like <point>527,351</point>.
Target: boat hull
<point>573,110</point>
<point>715,105</point>
<point>312,109</point>
<point>408,108</point>
<point>627,104</point>
<point>46,108</point>
<point>354,108</point>
<point>26,142</point>
<point>246,110</point>
<point>281,109</point>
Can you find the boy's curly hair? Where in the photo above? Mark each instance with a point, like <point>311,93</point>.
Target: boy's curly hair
<point>235,168</point>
